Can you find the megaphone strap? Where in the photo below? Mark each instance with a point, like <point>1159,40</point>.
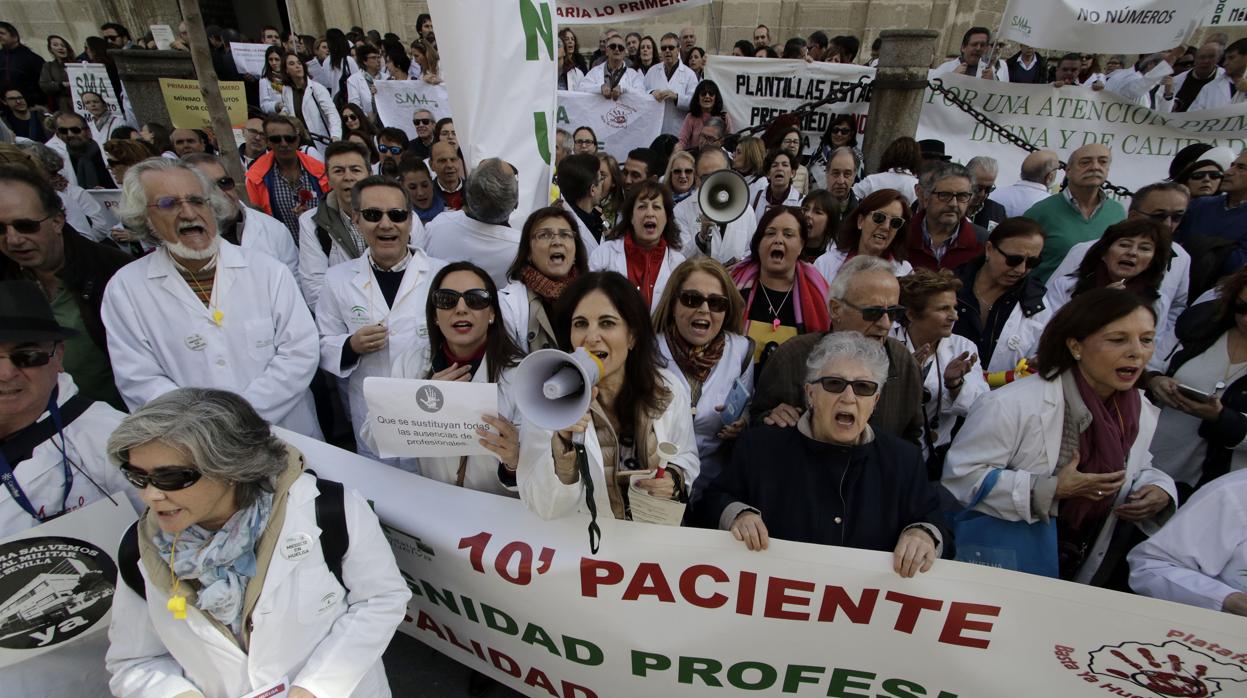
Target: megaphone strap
<point>582,466</point>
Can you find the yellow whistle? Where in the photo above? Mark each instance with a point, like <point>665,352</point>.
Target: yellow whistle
<point>1022,365</point>
<point>177,606</point>
<point>217,317</point>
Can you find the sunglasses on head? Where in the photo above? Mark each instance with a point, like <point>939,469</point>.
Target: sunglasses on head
<point>448,299</point>
<point>874,313</point>
<point>30,358</point>
<point>225,183</point>
<point>290,139</point>
<point>373,215</point>
<point>894,222</point>
<point>166,479</point>
<point>836,385</point>
<point>25,226</point>
<point>64,130</point>
<point>1013,260</point>
<point>694,300</point>
<point>1201,176</point>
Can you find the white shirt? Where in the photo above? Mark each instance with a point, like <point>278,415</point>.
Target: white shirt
<point>828,263</point>
<point>760,205</point>
<point>1018,197</point>
<point>263,233</point>
<point>943,409</point>
<point>103,131</point>
<point>632,82</point>
<point>899,180</point>
<point>329,76</point>
<point>1133,86</point>
<point>84,214</point>
<point>682,82</point>
<point>359,90</point>
<point>454,237</point>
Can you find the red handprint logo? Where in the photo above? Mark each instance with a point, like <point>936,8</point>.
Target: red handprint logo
<point>1173,669</point>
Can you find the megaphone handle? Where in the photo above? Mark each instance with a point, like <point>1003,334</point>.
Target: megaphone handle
<point>582,466</point>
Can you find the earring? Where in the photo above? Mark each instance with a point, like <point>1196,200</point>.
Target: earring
<point>1078,357</point>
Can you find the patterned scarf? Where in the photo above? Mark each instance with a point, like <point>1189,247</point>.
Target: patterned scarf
<point>1102,448</point>
<point>696,362</point>
<point>644,265</point>
<point>547,289</point>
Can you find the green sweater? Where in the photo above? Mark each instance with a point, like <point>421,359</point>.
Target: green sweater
<point>1065,227</point>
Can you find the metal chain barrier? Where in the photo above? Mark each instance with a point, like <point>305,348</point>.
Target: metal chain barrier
<point>839,94</point>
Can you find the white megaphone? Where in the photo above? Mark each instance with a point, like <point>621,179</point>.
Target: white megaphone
<point>723,196</point>
<point>553,388</point>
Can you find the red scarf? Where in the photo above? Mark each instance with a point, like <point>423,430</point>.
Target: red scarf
<point>547,289</point>
<point>643,265</point>
<point>1102,448</point>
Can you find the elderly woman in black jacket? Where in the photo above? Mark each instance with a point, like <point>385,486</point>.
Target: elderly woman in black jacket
<point>833,480</point>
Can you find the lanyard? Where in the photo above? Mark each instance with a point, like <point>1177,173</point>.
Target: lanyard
<point>10,480</point>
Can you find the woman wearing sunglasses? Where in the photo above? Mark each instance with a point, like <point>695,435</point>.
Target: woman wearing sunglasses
<point>707,101</point>
<point>875,228</point>
<point>636,407</point>
<point>550,256</point>
<point>1196,437</point>
<point>681,175</point>
<point>237,595</point>
<point>1067,450</point>
<point>699,334</point>
<point>645,246</point>
<point>310,102</point>
<point>1000,306</point>
<point>833,480</point>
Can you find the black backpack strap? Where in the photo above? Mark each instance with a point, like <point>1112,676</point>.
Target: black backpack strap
<point>322,236</point>
<point>128,561</point>
<point>335,540</point>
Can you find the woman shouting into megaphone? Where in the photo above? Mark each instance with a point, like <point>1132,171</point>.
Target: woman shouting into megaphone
<point>636,407</point>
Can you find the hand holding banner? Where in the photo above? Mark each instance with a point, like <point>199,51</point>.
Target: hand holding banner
<point>1103,26</point>
<point>248,58</point>
<point>91,77</point>
<point>398,100</point>
<point>408,417</point>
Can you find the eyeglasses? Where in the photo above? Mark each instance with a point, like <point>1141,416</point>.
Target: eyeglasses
<point>585,141</point>
<point>1201,176</point>
<point>947,196</point>
<point>170,203</point>
<point>448,299</point>
<point>30,358</point>
<point>391,149</point>
<point>694,300</point>
<point>842,130</point>
<point>66,130</point>
<point>166,479</point>
<point>25,226</point>
<point>836,385</point>
<point>667,48</point>
<point>873,313</point>
<point>1013,260</point>
<point>687,172</point>
<point>422,122</point>
<point>614,47</point>
<point>225,183</point>
<point>894,222</point>
<point>1166,216</point>
<point>289,139</point>
<point>373,215</point>
<point>550,235</point>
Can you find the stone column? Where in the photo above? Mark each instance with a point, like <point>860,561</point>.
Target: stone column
<point>905,56</point>
<point>141,71</point>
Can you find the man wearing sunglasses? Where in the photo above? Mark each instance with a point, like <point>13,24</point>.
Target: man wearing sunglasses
<point>71,269</point>
<point>940,235</point>
<point>203,312</point>
<point>1221,216</point>
<point>421,146</point>
<point>613,78</point>
<point>84,159</point>
<point>391,144</point>
<point>671,82</point>
<point>243,226</point>
<point>371,310</point>
<point>54,469</point>
<point>328,235</point>
<point>984,212</point>
<point>865,298</point>
<point>285,182</point>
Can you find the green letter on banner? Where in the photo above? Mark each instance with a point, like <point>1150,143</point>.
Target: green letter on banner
<point>541,131</point>
<point>536,24</point>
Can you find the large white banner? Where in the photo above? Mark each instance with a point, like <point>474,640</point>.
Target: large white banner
<point>756,90</point>
<point>249,58</point>
<point>1227,13</point>
<point>91,77</point>
<point>411,417</point>
<point>632,121</point>
<point>505,113</point>
<point>676,612</point>
<point>1103,26</point>
<point>398,100</point>
<point>1143,142</point>
<point>596,11</point>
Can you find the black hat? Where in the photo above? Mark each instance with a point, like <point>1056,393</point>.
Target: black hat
<point>933,150</point>
<point>26,315</point>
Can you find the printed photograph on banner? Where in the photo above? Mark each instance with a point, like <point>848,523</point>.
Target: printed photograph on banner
<point>91,77</point>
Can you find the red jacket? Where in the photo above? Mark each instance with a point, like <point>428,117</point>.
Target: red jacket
<point>257,190</point>
<point>965,246</point>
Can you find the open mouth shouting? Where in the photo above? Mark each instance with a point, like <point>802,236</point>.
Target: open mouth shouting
<point>1127,374</point>
<point>846,418</point>
<point>462,327</point>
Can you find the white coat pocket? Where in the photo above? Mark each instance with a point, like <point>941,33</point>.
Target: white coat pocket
<point>260,335</point>
<point>318,596</point>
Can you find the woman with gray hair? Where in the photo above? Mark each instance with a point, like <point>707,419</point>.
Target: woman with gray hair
<point>833,480</point>
<point>237,597</point>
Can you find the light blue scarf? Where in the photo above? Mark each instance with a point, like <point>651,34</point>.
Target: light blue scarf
<point>221,561</point>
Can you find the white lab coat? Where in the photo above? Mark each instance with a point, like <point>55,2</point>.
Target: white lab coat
<point>1200,556</point>
<point>900,180</point>
<point>67,167</point>
<point>1212,95</point>
<point>319,115</point>
<point>84,214</point>
<point>574,76</point>
<point>102,132</point>
<point>828,263</point>
<point>610,257</point>
<point>707,420</point>
<point>263,233</point>
<point>162,337</point>
<point>351,299</point>
<point>759,204</point>
<point>514,301</point>
<point>303,627</point>
<point>632,82</point>
<point>329,76</point>
<point>1133,86</point>
<point>1019,338</point>
<point>1170,304</point>
<point>587,241</point>
<point>545,495</point>
<point>943,409</point>
<point>1018,428</point>
<point>454,237</point>
<point>946,68</point>
<point>359,91</point>
<point>682,82</point>
<point>1017,198</point>
<point>42,478</point>
<point>734,244</point>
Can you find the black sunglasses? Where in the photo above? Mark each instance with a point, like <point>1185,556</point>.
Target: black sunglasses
<point>448,299</point>
<point>842,130</point>
<point>1166,216</point>
<point>373,215</point>
<point>895,223</point>
<point>874,313</point>
<point>615,47</point>
<point>225,183</point>
<point>836,385</point>
<point>422,122</point>
<point>166,479</point>
<point>25,226</point>
<point>1015,259</point>
<point>1200,176</point>
<point>63,130</point>
<point>1240,308</point>
<point>30,358</point>
<point>283,139</point>
<point>694,300</point>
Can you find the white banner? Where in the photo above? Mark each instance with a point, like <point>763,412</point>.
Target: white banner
<point>1227,13</point>
<point>597,11</point>
<point>506,113</point>
<point>57,579</point>
<point>91,77</point>
<point>249,58</point>
<point>1103,26</point>
<point>756,90</point>
<point>162,34</point>
<point>398,100</point>
<point>677,612</point>
<point>428,418</point>
<point>1143,142</point>
<point>632,121</point>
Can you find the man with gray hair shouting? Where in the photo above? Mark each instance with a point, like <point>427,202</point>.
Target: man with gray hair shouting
<point>480,233</point>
